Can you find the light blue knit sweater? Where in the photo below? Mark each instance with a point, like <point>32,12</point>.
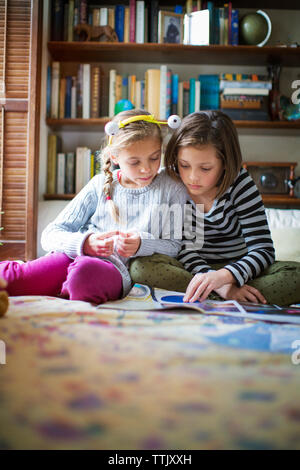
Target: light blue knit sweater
<point>139,210</point>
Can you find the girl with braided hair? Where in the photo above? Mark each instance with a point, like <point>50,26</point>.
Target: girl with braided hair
<point>113,219</point>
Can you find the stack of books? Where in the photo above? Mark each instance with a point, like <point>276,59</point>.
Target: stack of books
<point>245,96</point>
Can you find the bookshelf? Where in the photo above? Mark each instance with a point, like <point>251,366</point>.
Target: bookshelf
<point>183,55</point>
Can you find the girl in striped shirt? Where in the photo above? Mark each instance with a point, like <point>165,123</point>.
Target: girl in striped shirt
<point>227,247</point>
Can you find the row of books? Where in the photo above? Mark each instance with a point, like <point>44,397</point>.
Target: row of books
<point>68,173</point>
<point>91,94</point>
<point>84,95</point>
<point>144,21</point>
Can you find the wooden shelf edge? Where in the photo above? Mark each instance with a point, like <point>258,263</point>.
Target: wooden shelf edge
<point>60,123</point>
<point>77,51</point>
<point>267,198</point>
<point>280,199</point>
<point>58,197</point>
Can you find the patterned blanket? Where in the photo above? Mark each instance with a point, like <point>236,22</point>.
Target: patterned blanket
<point>77,377</point>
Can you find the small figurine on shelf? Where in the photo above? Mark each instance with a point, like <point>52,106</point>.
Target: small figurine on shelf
<point>96,32</point>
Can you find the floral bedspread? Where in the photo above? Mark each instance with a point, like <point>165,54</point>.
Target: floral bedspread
<point>77,377</point>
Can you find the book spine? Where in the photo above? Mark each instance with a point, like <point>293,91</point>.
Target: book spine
<point>132,82</point>
<point>225,24</point>
<point>192,95</point>
<point>70,20</point>
<point>103,16</point>
<point>60,173</point>
<point>210,7</point>
<point>175,79</point>
<point>62,98</point>
<point>153,21</point>
<point>138,99</point>
<point>79,90</point>
<point>127,25</point>
<point>197,96</point>
<point>125,87</point>
<point>267,85</point>
<point>51,164</point>
<point>112,92</point>
<point>153,92</point>
<point>246,91</point>
<point>96,16</point>
<point>86,166</point>
<point>143,94</point>
<point>86,111</point>
<point>132,8</point>
<point>140,22</point>
<point>119,26</point>
<point>186,98</point>
<point>83,19</point>
<point>66,21</point>
<point>229,21</point>
<point>222,25</point>
<point>189,6</point>
<point>55,90</point>
<point>70,173</point>
<point>79,176</point>
<point>163,92</point>
<point>68,97</point>
<point>118,87</point>
<point>169,94</point>
<point>48,99</point>
<point>76,19</point>
<point>234,27</point>
<point>95,91</point>
<point>111,17</point>
<point>180,99</point>
<point>57,20</point>
<point>73,98</point>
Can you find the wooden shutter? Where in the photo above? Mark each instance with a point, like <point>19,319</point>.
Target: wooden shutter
<point>19,95</point>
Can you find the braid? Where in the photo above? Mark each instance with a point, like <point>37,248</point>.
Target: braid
<point>107,188</point>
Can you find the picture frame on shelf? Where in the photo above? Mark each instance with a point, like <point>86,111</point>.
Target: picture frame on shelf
<point>170,27</point>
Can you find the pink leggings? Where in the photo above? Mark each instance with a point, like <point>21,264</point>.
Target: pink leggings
<point>85,278</point>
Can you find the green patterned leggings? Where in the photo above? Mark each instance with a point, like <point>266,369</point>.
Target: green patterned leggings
<point>279,284</point>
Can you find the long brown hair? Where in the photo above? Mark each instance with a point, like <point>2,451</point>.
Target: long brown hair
<point>207,128</point>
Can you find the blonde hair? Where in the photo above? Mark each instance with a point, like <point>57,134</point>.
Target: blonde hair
<point>128,135</point>
<point>207,128</point>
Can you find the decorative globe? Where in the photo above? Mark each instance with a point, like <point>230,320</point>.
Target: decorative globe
<point>123,105</point>
<point>253,29</point>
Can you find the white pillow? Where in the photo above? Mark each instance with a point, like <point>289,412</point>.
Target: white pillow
<point>285,231</point>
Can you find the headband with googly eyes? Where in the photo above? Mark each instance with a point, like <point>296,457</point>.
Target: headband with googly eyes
<point>113,127</point>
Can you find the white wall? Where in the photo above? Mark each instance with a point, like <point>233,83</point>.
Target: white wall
<point>256,144</point>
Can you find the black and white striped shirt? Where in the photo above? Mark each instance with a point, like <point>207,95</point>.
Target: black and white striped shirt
<point>236,232</point>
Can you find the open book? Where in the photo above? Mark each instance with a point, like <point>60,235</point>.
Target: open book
<point>142,297</point>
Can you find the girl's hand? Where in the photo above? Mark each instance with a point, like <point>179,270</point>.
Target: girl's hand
<point>243,294</point>
<point>100,244</point>
<point>203,284</point>
<point>128,243</point>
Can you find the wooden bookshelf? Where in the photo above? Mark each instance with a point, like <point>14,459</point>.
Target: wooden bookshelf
<point>173,53</point>
<point>268,199</point>
<point>96,124</point>
<point>280,200</point>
